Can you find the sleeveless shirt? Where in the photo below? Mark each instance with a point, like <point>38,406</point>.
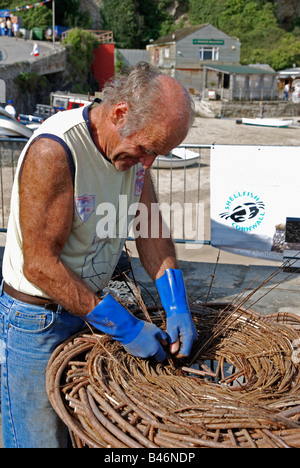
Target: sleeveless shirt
<point>105,203</point>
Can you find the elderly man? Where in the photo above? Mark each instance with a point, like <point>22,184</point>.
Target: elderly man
<point>55,263</point>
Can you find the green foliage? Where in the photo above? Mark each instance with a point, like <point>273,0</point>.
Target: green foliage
<point>39,17</point>
<point>286,54</point>
<point>135,22</point>
<point>67,13</point>
<point>82,43</point>
<point>119,64</point>
<point>254,22</point>
<point>30,82</point>
<point>205,11</point>
<point>157,21</point>
<point>121,18</point>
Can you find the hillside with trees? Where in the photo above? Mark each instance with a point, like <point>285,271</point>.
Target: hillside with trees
<point>255,22</point>
<point>269,30</point>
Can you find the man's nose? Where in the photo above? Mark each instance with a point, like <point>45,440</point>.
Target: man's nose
<point>147,161</point>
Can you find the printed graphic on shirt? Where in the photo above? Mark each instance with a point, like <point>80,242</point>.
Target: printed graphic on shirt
<point>85,205</point>
<point>98,266</point>
<point>139,182</point>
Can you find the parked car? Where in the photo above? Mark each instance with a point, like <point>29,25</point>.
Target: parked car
<point>68,101</point>
<point>41,113</point>
<point>58,32</point>
<point>44,111</point>
<point>26,119</point>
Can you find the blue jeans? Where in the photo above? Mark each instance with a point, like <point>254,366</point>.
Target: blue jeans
<point>28,336</point>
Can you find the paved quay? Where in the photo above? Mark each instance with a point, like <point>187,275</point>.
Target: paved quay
<point>231,278</point>
<point>14,50</point>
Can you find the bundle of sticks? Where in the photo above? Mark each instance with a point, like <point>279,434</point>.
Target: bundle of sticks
<point>239,388</point>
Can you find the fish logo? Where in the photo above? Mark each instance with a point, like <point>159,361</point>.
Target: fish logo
<point>244,212</point>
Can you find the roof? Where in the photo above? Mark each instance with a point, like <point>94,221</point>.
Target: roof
<point>289,72</point>
<point>178,35</point>
<point>241,69</point>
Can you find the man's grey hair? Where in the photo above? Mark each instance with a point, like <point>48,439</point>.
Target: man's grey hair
<point>141,89</point>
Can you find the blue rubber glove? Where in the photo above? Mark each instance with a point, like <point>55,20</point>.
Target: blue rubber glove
<point>139,338</point>
<point>180,325</point>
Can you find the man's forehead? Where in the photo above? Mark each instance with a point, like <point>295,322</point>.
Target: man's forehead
<point>155,139</point>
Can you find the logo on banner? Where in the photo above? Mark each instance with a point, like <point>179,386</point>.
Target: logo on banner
<point>85,205</point>
<point>245,211</point>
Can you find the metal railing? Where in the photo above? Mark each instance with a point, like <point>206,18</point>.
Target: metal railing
<point>102,36</point>
<point>182,191</point>
<point>10,150</point>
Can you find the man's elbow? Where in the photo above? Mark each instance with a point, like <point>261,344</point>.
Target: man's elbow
<point>35,272</point>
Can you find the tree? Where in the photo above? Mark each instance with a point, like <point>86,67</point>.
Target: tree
<point>286,54</point>
<point>135,22</point>
<point>254,22</point>
<point>67,13</point>
<point>157,21</point>
<point>80,53</point>
<point>205,11</point>
<point>121,18</point>
<point>39,17</point>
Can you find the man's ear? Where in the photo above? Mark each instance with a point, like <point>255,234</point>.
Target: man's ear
<point>119,113</point>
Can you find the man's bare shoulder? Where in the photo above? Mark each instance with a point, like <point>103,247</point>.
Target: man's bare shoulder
<point>47,158</point>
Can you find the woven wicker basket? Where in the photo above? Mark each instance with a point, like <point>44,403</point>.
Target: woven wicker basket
<point>240,387</point>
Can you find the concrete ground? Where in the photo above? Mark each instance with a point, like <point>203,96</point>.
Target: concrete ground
<point>233,278</point>
<point>14,50</point>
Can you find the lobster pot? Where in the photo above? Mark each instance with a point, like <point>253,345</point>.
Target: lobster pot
<point>239,388</point>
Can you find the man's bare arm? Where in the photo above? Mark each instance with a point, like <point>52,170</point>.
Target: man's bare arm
<point>46,214</point>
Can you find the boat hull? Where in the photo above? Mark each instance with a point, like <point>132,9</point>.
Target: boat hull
<point>268,122</point>
<point>178,158</point>
<point>11,128</point>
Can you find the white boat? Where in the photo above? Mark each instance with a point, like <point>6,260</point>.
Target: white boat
<point>178,158</point>
<point>11,128</point>
<point>279,123</point>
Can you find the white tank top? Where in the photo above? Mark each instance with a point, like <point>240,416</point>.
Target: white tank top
<point>105,202</point>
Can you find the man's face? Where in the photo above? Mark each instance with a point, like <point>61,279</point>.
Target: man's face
<point>142,147</point>
<point>159,137</point>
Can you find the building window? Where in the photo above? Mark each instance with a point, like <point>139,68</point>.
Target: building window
<point>167,52</point>
<point>209,53</point>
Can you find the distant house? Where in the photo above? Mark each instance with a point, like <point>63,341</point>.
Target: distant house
<point>288,75</point>
<point>184,53</point>
<point>207,62</point>
<point>239,82</point>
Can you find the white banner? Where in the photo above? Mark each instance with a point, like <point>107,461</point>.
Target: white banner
<point>253,190</point>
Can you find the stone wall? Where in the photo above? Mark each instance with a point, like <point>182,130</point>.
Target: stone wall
<point>48,64</point>
<point>273,109</point>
